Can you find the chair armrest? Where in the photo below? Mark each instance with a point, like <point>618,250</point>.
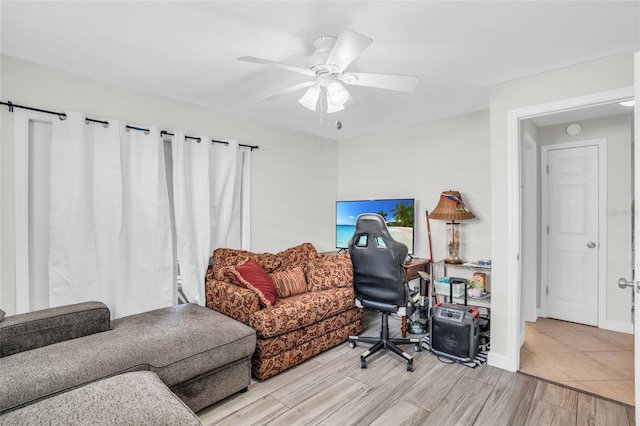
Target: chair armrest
<point>23,332</point>
<point>233,301</point>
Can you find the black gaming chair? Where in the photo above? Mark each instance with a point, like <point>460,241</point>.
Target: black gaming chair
<point>380,282</point>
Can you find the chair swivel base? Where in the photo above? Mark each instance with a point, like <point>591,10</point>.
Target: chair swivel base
<point>384,342</point>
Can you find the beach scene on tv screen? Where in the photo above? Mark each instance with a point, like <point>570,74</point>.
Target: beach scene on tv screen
<point>398,213</point>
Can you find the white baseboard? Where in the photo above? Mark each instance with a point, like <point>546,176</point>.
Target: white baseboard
<point>619,326</point>
<point>499,361</point>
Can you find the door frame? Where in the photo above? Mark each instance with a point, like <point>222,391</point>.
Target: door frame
<point>636,248</point>
<point>602,223</point>
<point>514,222</point>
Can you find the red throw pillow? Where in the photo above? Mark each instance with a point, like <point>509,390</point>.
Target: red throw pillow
<point>252,276</point>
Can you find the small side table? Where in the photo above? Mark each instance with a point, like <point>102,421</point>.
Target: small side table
<point>411,269</point>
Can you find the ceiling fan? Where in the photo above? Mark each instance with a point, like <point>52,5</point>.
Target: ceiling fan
<point>328,67</point>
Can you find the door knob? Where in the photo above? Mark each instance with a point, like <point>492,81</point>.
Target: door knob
<point>591,244</point>
<point>624,283</point>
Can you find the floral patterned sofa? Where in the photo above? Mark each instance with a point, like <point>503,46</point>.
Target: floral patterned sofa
<point>312,311</point>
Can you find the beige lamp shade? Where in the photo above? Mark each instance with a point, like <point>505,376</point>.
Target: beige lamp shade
<point>451,207</point>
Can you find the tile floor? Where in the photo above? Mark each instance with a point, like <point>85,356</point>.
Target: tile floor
<point>580,356</point>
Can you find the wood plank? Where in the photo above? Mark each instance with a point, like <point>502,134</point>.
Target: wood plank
<point>316,408</point>
<point>380,397</point>
<point>543,413</point>
<point>461,404</point>
<point>319,377</point>
<point>556,395</point>
<point>509,401</point>
<point>402,413</point>
<point>257,390</point>
<point>598,412</point>
<point>438,379</point>
<point>485,373</point>
<point>256,413</point>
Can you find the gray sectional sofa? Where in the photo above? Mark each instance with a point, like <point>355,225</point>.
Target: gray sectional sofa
<point>200,355</point>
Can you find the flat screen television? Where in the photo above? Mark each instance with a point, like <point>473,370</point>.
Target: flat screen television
<point>397,212</point>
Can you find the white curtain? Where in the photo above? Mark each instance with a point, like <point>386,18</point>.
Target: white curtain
<point>208,188</point>
<point>146,255</point>
<point>110,227</point>
<point>107,231</point>
<point>246,199</point>
<point>192,214</point>
<point>226,195</point>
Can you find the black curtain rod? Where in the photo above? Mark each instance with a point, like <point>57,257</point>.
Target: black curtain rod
<point>11,105</point>
<point>88,120</point>
<point>164,132</point>
<point>105,124</point>
<point>140,129</point>
<point>251,147</point>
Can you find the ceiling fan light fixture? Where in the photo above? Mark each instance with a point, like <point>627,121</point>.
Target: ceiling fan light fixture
<point>337,95</point>
<point>310,98</point>
<point>332,108</point>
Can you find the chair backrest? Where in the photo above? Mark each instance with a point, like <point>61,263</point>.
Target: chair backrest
<point>378,274</point>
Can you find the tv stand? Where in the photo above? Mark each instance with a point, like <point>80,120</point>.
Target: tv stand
<point>343,250</point>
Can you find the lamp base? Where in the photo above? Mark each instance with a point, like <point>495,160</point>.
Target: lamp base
<point>453,261</point>
<point>453,243</point>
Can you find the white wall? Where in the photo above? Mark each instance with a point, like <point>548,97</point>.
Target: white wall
<point>420,162</point>
<point>294,179</point>
<point>617,131</point>
<point>601,75</point>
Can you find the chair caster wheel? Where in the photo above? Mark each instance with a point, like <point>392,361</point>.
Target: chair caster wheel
<point>410,366</point>
<point>352,344</point>
<point>363,363</point>
<point>417,347</point>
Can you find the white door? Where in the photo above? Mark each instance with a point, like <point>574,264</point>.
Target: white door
<point>572,225</point>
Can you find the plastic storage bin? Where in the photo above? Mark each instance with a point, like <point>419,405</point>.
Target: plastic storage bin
<point>442,287</point>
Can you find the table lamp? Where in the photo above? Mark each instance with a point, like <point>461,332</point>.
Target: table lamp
<point>451,208</point>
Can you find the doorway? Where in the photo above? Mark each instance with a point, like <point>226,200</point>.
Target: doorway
<point>552,348</point>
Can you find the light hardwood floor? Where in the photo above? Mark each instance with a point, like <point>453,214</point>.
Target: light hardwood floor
<point>580,356</point>
<point>331,389</point>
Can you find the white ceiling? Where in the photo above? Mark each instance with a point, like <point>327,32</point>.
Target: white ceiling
<point>188,50</point>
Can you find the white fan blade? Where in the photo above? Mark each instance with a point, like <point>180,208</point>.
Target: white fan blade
<point>402,83</point>
<point>348,46</point>
<point>288,90</point>
<point>269,63</point>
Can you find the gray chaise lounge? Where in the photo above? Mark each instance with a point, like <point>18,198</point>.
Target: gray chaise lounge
<point>201,355</point>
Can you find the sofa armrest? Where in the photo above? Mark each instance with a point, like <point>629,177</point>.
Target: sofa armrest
<point>23,332</point>
<point>233,301</point>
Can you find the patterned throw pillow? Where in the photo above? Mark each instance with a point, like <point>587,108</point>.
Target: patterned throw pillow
<point>290,282</point>
<point>250,275</point>
<point>296,256</point>
<point>326,271</point>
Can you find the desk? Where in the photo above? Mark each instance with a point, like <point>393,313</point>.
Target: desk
<point>416,264</point>
<point>411,269</point>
